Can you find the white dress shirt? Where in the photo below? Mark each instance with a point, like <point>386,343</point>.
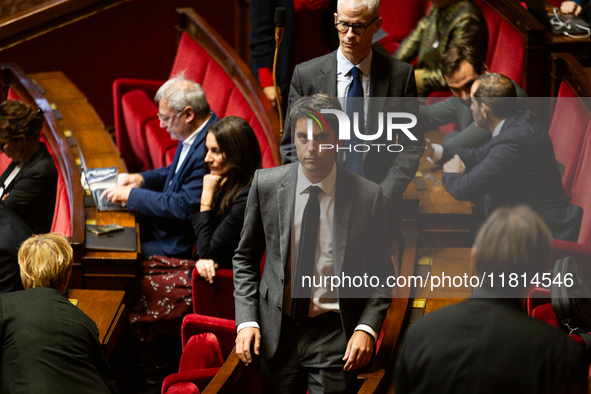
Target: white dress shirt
<point>187,142</point>
<point>321,298</point>
<point>344,78</point>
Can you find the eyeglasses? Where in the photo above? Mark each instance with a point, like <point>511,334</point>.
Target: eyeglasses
<point>358,29</point>
<point>166,119</point>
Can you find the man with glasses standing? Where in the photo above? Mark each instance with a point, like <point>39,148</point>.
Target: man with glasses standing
<point>354,70</point>
<point>167,196</point>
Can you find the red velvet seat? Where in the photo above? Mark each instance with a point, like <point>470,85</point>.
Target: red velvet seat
<point>399,19</point>
<point>506,56</point>
<point>567,130</point>
<point>144,145</point>
<point>207,342</point>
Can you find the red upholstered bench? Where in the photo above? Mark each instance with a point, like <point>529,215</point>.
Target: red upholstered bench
<point>229,87</point>
<point>567,130</point>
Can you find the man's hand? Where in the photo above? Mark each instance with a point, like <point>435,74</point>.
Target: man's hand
<point>271,95</point>
<point>454,165</point>
<point>359,350</point>
<point>206,269</point>
<point>245,338</point>
<point>570,7</point>
<point>132,180</point>
<point>117,195</point>
<point>429,150</point>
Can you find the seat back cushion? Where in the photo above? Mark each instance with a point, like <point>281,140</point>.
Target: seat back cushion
<point>202,351</point>
<point>567,130</point>
<point>507,58</point>
<point>62,219</point>
<point>399,18</point>
<point>581,191</point>
<point>139,110</point>
<point>493,23</point>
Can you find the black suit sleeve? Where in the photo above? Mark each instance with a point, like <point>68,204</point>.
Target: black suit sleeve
<point>483,171</point>
<point>218,241</point>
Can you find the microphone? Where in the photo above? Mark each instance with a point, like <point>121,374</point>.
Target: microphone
<point>280,16</point>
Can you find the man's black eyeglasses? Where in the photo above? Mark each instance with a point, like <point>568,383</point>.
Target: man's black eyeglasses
<point>358,29</point>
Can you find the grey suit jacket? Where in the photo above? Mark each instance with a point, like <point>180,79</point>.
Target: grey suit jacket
<point>360,245</point>
<point>390,78</point>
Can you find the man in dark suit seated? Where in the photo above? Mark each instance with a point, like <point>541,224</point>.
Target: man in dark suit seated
<point>167,196</point>
<point>516,166</point>
<point>315,219</point>
<point>13,232</point>
<point>488,344</point>
<point>357,72</point>
<point>48,344</point>
<point>461,65</point>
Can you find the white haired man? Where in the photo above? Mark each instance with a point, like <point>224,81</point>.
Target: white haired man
<point>166,197</point>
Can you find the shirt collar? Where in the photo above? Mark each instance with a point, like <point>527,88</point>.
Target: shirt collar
<point>190,139</point>
<point>344,66</point>
<point>327,185</point>
<point>497,129</point>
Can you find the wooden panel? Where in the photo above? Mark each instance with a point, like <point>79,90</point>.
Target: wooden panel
<point>106,309</point>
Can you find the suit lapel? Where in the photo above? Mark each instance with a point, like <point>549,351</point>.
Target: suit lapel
<point>194,146</point>
<point>285,204</point>
<point>342,213</point>
<point>327,80</point>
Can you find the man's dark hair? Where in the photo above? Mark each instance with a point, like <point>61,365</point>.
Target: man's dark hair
<point>454,56</point>
<point>301,110</point>
<point>498,93</point>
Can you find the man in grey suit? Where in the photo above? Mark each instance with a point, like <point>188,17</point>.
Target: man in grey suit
<point>461,65</point>
<point>379,76</point>
<point>318,336</point>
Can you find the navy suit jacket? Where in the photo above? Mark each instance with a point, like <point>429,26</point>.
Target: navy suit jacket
<point>169,198</point>
<point>517,166</point>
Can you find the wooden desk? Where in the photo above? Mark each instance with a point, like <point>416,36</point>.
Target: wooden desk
<point>94,149</point>
<point>441,220</point>
<point>106,309</point>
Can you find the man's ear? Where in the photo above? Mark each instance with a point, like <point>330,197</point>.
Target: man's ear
<point>190,114</point>
<point>485,69</point>
<point>378,24</point>
<point>335,18</point>
<point>485,110</point>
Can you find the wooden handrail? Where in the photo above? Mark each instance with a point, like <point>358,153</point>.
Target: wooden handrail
<point>14,77</point>
<point>45,17</point>
<point>194,25</point>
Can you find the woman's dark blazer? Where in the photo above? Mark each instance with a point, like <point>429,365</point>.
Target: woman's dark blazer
<point>31,194</point>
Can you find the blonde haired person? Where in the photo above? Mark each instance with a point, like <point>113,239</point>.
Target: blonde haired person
<point>49,345</point>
